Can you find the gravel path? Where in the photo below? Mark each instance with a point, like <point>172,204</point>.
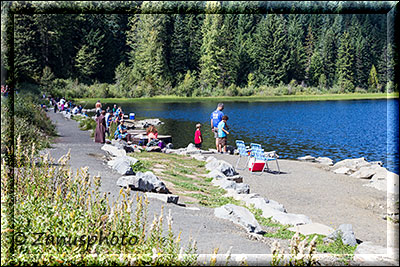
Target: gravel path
<point>208,231</point>
<point>327,198</point>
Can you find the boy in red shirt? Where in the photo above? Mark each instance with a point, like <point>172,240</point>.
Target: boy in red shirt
<point>198,138</point>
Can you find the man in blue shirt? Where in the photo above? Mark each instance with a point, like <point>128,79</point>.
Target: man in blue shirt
<point>216,118</point>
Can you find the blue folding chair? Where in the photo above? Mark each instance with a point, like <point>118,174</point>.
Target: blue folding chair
<point>259,154</point>
<point>242,153</point>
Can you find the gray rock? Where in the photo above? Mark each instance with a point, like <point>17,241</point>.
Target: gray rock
<point>312,228</point>
<point>239,215</point>
<point>226,168</point>
<point>126,181</point>
<point>212,163</point>
<point>237,179</point>
<point>342,170</point>
<point>149,182</point>
<point>167,198</point>
<point>198,157</point>
<point>345,231</point>
<point>291,218</point>
<point>364,173</point>
<point>191,147</point>
<point>324,161</point>
<point>123,165</point>
<point>169,146</point>
<point>113,150</point>
<point>153,149</point>
<point>211,158</point>
<point>261,203</point>
<point>226,184</point>
<point>307,158</point>
<point>216,174</point>
<point>242,188</point>
<point>352,164</point>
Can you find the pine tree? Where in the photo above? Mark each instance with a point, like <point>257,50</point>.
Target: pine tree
<point>46,79</point>
<point>344,64</point>
<point>211,49</point>
<point>297,57</point>
<point>373,82</point>
<point>88,60</point>
<point>328,55</point>
<point>179,63</point>
<point>269,54</point>
<point>150,68</point>
<point>316,68</point>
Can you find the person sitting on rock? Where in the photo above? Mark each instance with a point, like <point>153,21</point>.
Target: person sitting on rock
<point>122,132</point>
<point>152,135</point>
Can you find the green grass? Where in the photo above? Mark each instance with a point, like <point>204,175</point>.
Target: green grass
<point>175,99</point>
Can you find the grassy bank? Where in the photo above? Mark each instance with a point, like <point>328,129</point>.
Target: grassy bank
<point>282,98</point>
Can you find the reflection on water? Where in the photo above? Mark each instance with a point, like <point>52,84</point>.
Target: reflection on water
<point>335,129</point>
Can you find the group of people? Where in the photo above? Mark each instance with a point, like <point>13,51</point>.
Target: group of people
<point>61,104</point>
<point>105,118</point>
<point>218,126</point>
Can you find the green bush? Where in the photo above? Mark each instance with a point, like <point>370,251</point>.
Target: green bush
<point>31,124</point>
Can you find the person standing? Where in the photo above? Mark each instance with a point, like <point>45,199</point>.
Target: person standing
<point>222,133</point>
<point>100,134</point>
<point>198,138</point>
<point>98,108</point>
<point>216,118</point>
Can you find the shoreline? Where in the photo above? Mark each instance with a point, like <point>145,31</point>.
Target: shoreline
<point>283,98</point>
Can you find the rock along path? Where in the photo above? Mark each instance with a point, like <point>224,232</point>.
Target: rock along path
<point>208,231</point>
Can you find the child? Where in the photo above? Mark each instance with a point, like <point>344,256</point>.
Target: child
<point>222,134</point>
<point>198,138</point>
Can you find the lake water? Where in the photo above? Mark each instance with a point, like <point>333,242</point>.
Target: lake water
<point>334,129</point>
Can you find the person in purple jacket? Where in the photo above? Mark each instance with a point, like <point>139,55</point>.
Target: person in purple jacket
<point>216,117</point>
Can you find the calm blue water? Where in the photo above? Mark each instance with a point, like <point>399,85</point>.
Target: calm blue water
<point>334,129</point>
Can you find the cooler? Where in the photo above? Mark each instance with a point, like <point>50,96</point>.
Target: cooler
<point>131,116</point>
<point>258,165</point>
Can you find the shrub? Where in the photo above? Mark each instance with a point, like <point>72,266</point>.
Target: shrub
<point>30,122</point>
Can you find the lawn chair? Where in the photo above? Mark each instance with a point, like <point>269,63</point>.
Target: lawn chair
<point>271,155</point>
<point>257,155</point>
<point>260,155</point>
<point>242,153</point>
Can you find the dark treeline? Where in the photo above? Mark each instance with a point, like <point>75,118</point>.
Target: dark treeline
<point>120,55</point>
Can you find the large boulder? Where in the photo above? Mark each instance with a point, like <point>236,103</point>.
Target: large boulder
<point>239,215</point>
<point>290,218</point>
<point>364,173</point>
<point>126,181</point>
<point>345,231</point>
<point>312,228</point>
<point>226,168</point>
<point>220,165</point>
<point>239,188</point>
<point>147,182</point>
<point>342,170</point>
<point>216,174</point>
<point>123,165</point>
<point>324,161</point>
<point>114,151</point>
<point>352,164</point>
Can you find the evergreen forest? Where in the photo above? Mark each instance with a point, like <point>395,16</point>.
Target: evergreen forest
<point>210,54</point>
